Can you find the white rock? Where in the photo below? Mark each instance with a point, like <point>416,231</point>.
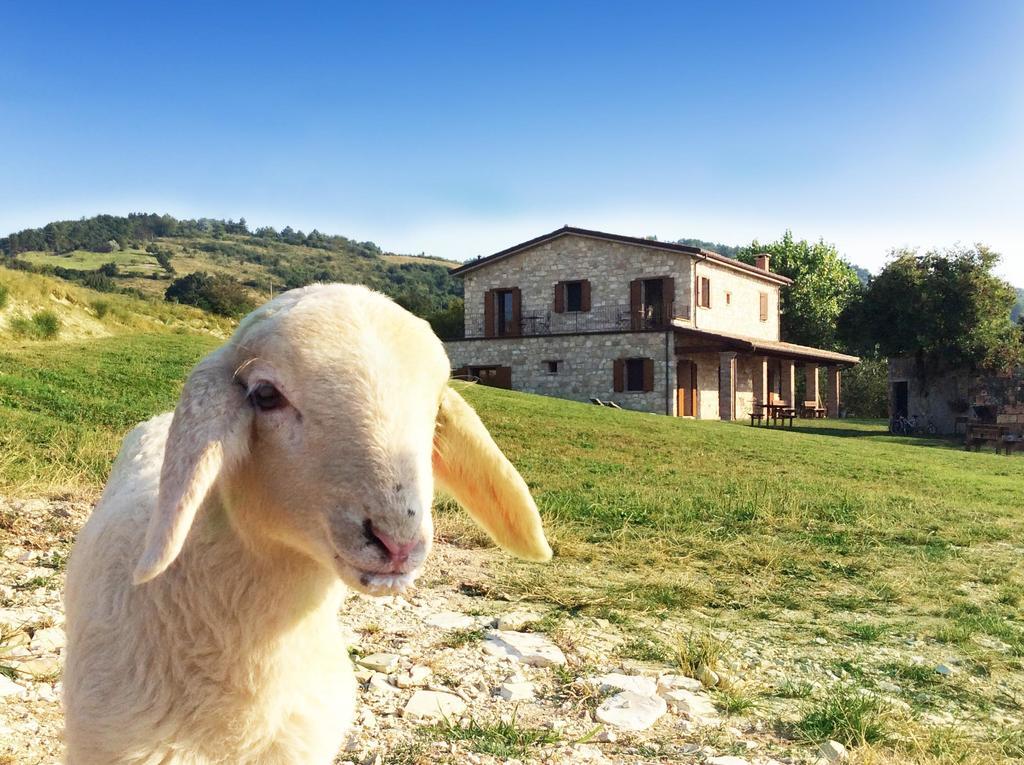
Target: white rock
<point>728,759</point>
<point>516,691</point>
<point>49,639</point>
<point>690,705</point>
<point>675,682</point>
<point>945,670</point>
<point>631,711</point>
<point>614,681</point>
<point>433,705</point>
<point>10,688</point>
<point>516,620</point>
<point>833,751</point>
<point>415,676</point>
<point>451,620</point>
<point>47,665</point>
<point>379,682</point>
<point>607,737</point>
<point>526,647</point>
<point>379,662</point>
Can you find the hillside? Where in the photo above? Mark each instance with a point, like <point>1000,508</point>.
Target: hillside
<point>143,253</point>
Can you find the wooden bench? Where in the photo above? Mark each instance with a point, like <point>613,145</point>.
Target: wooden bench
<point>811,410</point>
<point>1012,442</point>
<point>757,415</point>
<point>979,434</point>
<point>783,414</point>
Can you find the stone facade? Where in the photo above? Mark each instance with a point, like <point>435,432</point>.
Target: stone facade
<point>584,365</point>
<point>609,266</point>
<point>736,303</point>
<point>940,398</point>
<point>586,343</point>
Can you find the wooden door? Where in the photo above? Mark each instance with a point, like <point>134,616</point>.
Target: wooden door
<point>686,389</point>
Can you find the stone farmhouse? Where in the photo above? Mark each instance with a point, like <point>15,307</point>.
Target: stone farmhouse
<point>648,325</point>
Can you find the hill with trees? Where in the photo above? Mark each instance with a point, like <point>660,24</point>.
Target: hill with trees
<point>146,253</point>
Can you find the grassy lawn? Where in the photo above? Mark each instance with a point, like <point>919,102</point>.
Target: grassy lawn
<point>833,542</point>
<point>64,408</point>
<point>129,261</point>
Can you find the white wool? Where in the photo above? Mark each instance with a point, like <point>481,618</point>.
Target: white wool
<point>202,593</point>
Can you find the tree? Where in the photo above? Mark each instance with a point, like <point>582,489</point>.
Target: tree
<point>824,285</point>
<point>218,293</point>
<point>945,308</point>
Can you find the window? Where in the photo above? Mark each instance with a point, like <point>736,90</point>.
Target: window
<point>574,296</point>
<point>634,374</point>
<point>552,367</point>
<point>503,311</point>
<point>764,306</point>
<point>704,292</point>
<point>728,298</point>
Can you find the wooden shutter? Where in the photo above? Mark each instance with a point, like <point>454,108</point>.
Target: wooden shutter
<point>489,314</point>
<point>560,297</point>
<point>668,299</point>
<point>705,292</point>
<point>764,306</point>
<point>517,309</point>
<point>503,378</point>
<point>648,375</point>
<point>619,375</point>
<point>636,308</point>
<point>585,295</point>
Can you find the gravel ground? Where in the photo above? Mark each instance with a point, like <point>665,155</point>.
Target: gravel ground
<point>502,673</point>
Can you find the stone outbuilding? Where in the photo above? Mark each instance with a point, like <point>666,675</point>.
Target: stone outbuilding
<point>651,326</point>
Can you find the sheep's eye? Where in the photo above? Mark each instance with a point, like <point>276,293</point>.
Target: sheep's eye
<point>266,397</point>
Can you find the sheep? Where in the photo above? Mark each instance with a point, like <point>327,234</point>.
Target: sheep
<point>203,592</point>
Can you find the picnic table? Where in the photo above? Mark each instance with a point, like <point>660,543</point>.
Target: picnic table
<point>772,413</point>
<point>981,433</point>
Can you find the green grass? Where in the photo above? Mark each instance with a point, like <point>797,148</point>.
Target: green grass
<point>62,415</point>
<point>43,325</point>
<point>459,638</point>
<point>128,261</point>
<point>500,739</point>
<point>848,717</point>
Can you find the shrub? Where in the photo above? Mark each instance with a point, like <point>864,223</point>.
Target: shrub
<point>101,307</point>
<point>217,293</point>
<point>4,293</point>
<point>43,325</point>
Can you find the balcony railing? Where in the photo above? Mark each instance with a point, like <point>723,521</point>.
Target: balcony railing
<point>599,319</point>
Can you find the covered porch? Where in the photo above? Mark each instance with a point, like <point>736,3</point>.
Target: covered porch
<point>728,377</point>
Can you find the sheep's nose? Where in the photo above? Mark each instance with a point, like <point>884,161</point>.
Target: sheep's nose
<point>398,552</point>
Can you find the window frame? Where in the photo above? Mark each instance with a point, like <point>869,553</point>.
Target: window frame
<point>577,285</point>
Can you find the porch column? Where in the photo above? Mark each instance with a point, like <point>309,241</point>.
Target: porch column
<point>832,391</point>
<point>727,385</point>
<point>760,379</point>
<point>788,382</point>
<point>811,374</point>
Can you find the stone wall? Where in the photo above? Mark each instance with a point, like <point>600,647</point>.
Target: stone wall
<point>610,267</point>
<point>735,303</point>
<point>584,369</point>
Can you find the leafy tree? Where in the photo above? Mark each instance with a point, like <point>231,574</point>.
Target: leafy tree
<point>218,293</point>
<point>449,323</point>
<point>944,308</point>
<point>824,284</point>
<point>866,389</point>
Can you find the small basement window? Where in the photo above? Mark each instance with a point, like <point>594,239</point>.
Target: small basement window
<point>728,298</point>
<point>552,367</point>
<point>634,374</point>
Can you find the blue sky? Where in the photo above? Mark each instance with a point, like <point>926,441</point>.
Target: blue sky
<point>459,129</point>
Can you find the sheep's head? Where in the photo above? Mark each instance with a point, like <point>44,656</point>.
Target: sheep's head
<point>327,417</point>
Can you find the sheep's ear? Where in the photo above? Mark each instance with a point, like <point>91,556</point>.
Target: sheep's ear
<point>208,435</point>
<point>470,467</point>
